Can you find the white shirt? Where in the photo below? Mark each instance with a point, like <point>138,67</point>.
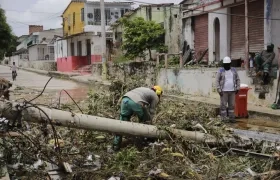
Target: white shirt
<point>229,85</point>
<point>14,68</point>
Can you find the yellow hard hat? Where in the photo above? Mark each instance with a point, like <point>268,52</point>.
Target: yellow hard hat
<point>158,90</point>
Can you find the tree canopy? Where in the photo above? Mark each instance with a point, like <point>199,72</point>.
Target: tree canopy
<point>8,40</point>
<point>141,35</point>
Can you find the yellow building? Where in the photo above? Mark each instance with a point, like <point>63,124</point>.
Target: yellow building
<point>73,18</point>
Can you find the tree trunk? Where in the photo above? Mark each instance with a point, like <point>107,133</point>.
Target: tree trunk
<point>150,54</point>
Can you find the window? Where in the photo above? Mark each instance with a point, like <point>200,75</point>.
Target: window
<point>74,18</point>
<point>51,49</point>
<point>69,19</point>
<point>72,49</point>
<point>126,10</point>
<point>108,16</point>
<point>79,47</point>
<point>122,12</point>
<point>82,14</point>
<point>97,16</point>
<point>149,13</point>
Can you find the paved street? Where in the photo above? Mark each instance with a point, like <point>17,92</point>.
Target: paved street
<point>36,81</point>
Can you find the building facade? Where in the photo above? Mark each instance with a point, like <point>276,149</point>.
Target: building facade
<point>219,25</point>
<point>81,43</point>
<point>41,46</point>
<point>168,15</point>
<point>36,46</point>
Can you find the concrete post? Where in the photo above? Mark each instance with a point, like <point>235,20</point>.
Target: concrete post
<point>82,121</point>
<point>103,41</point>
<point>181,59</point>
<point>157,59</point>
<point>166,60</point>
<point>246,37</point>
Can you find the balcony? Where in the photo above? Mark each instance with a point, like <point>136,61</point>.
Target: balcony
<point>94,28</point>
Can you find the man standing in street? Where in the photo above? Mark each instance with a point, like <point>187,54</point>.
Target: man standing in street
<point>138,101</point>
<point>228,85</point>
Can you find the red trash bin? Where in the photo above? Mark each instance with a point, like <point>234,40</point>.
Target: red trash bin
<point>240,109</point>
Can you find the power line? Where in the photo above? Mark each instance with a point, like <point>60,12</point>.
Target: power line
<point>39,12</point>
<point>28,23</point>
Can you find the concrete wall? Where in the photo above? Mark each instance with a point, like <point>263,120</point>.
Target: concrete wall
<point>33,53</point>
<point>224,33</point>
<point>173,29</point>
<point>15,59</point>
<point>41,65</point>
<point>71,63</point>
<point>60,49</point>
<point>38,52</point>
<point>188,33</point>
<point>201,82</point>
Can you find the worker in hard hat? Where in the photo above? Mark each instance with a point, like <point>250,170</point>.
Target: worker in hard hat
<point>228,85</point>
<point>142,102</point>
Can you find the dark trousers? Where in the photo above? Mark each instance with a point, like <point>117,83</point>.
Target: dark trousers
<point>228,103</point>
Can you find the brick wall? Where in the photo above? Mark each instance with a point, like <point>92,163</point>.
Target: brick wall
<point>201,35</point>
<point>35,28</point>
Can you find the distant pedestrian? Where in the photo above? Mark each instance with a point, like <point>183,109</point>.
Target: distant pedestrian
<point>228,85</point>
<point>14,70</point>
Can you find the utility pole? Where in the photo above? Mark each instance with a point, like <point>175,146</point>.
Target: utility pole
<point>246,37</point>
<point>103,40</point>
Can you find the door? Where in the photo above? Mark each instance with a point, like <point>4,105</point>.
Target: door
<point>89,51</point>
<point>256,29</point>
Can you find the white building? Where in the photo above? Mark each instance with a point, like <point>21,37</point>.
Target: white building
<point>81,44</point>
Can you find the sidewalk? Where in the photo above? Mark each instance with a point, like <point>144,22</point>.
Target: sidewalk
<point>85,79</point>
<point>251,108</point>
<point>89,79</point>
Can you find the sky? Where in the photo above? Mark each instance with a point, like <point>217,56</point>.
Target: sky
<point>21,13</point>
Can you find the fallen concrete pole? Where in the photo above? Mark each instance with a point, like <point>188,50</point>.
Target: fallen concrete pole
<point>82,121</point>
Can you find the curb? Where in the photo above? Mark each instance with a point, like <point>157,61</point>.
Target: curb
<point>35,71</point>
<point>65,76</point>
<point>251,112</point>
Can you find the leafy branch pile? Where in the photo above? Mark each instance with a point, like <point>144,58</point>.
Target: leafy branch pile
<point>177,158</point>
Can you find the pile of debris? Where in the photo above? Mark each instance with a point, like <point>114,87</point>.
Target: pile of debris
<point>68,153</point>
